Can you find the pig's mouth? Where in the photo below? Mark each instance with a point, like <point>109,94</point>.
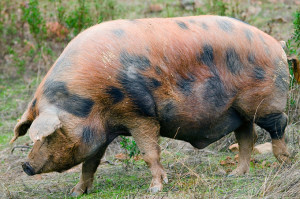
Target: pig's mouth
<point>28,169</point>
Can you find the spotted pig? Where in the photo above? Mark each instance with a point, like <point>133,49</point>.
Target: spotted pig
<point>190,78</point>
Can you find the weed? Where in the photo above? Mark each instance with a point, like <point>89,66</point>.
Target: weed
<point>218,7</point>
<point>293,46</point>
<point>106,10</point>
<point>60,12</point>
<point>130,146</point>
<point>1,24</point>
<point>33,16</point>
<point>79,18</point>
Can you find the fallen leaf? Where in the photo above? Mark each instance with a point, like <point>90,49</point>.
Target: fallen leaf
<point>222,162</point>
<point>155,7</point>
<point>121,156</point>
<point>228,158</point>
<point>263,164</point>
<point>274,165</point>
<point>38,177</point>
<point>55,29</point>
<point>236,157</point>
<point>137,157</point>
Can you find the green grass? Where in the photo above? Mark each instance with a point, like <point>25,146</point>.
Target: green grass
<point>14,98</point>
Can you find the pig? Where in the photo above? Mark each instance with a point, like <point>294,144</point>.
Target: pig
<point>194,78</point>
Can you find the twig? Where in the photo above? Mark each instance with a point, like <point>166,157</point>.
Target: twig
<point>19,146</point>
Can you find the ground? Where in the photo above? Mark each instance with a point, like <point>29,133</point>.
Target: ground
<point>192,173</point>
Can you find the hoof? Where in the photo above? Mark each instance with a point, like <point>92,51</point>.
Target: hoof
<point>75,194</point>
<point>231,175</point>
<point>166,180</point>
<point>155,189</point>
<point>239,171</point>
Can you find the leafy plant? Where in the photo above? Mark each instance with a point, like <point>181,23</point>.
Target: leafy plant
<point>293,51</point>
<point>106,9</point>
<point>293,44</point>
<point>218,7</point>
<point>130,146</point>
<point>33,16</point>
<point>60,12</point>
<point>79,18</point>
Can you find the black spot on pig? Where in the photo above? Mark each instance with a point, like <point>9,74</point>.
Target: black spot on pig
<point>249,35</point>
<point>239,20</point>
<point>153,83</point>
<point>182,25</point>
<point>135,84</point>
<point>137,89</point>
<point>166,60</point>
<point>118,32</point>
<point>204,26</point>
<point>158,70</point>
<point>259,73</point>
<point>192,21</point>
<point>266,48</point>
<point>207,56</point>
<point>168,112</point>
<point>225,25</point>
<point>88,135</point>
<point>132,61</point>
<point>251,58</point>
<point>215,92</point>
<point>233,61</point>
<point>274,123</point>
<point>185,84</point>
<point>116,94</point>
<point>58,94</point>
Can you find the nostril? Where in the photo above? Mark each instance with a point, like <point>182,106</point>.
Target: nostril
<point>28,169</point>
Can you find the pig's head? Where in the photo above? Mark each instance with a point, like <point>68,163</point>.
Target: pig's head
<point>60,140</point>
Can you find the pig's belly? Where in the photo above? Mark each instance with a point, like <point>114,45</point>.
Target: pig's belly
<point>201,133</point>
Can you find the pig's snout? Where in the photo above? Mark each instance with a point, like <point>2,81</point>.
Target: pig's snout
<point>28,169</point>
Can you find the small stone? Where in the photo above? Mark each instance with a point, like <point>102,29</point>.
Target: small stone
<point>263,148</point>
<point>234,147</point>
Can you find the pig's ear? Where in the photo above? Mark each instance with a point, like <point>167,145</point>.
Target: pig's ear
<point>21,127</point>
<point>45,124</point>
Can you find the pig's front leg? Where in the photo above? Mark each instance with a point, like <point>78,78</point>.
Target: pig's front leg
<point>89,168</point>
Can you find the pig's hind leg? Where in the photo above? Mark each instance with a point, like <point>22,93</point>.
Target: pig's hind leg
<point>89,168</point>
<point>246,137</point>
<point>146,133</point>
<point>275,124</point>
